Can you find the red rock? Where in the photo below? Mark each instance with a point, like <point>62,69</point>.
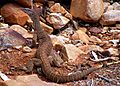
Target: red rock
<point>87,10</point>
<point>13,14</point>
<point>25,3</point>
<point>57,8</point>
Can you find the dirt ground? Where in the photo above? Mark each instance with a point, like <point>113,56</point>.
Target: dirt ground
<point>10,61</point>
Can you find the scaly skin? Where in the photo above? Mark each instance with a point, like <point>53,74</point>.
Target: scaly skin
<point>43,51</point>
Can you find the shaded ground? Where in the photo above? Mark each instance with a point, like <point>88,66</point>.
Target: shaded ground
<point>108,76</point>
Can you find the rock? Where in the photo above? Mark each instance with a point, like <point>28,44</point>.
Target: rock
<point>84,29</point>
<point>33,80</point>
<point>21,31</point>
<point>110,17</point>
<point>110,8</point>
<point>95,30</point>
<point>25,3</point>
<point>87,48</point>
<point>58,39</point>
<point>57,8</point>
<point>84,48</point>
<point>116,6</point>
<point>2,25</point>
<point>10,38</point>
<point>106,4</point>
<point>13,83</point>
<point>95,39</point>
<point>113,51</point>
<point>47,28</point>
<point>105,29</point>
<point>27,49</point>
<point>95,48</point>
<point>87,10</point>
<point>72,52</point>
<point>80,35</point>
<point>57,20</point>
<point>28,80</point>
<point>13,14</point>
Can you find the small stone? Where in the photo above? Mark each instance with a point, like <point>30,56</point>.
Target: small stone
<point>83,29</point>
<point>2,25</point>
<point>27,49</point>
<point>95,39</point>
<point>95,48</point>
<point>88,48</point>
<point>47,28</point>
<point>87,10</point>
<point>113,51</point>
<point>60,40</point>
<point>105,29</point>
<point>110,8</point>
<point>57,8</point>
<point>17,47</point>
<point>95,30</point>
<point>21,31</point>
<point>13,14</point>
<point>80,35</point>
<point>57,20</point>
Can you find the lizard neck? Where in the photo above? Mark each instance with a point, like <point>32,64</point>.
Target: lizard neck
<point>41,34</point>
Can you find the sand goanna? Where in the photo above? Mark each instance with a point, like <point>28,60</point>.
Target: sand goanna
<point>43,51</point>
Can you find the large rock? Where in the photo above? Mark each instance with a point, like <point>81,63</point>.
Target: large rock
<point>34,80</point>
<point>25,3</point>
<point>72,52</point>
<point>110,17</point>
<point>28,80</point>
<point>87,10</point>
<point>13,14</point>
<point>10,38</point>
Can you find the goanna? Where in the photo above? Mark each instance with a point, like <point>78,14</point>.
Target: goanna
<point>43,51</point>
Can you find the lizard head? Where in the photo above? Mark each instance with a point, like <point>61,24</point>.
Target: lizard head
<point>29,11</point>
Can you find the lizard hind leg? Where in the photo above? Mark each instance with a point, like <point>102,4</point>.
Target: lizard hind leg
<point>32,63</point>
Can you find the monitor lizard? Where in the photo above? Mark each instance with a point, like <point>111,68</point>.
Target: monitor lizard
<point>43,51</point>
